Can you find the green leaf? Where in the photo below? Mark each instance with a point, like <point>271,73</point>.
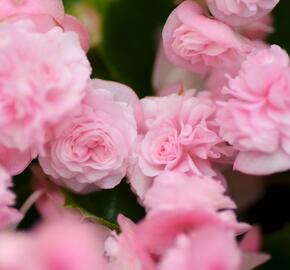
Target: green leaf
<point>104,206</point>
<point>278,246</point>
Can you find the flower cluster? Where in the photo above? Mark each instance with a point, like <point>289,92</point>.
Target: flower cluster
<point>225,105</point>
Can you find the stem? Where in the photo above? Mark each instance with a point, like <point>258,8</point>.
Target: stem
<point>31,200</point>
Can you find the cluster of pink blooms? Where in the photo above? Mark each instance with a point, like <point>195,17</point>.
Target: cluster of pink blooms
<point>223,100</point>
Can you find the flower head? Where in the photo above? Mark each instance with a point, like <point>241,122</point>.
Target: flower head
<point>42,77</point>
<point>237,12</point>
<point>181,135</point>
<point>255,120</point>
<point>175,240</point>
<point>52,8</point>
<point>91,148</point>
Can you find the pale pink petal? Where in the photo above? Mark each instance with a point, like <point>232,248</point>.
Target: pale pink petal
<point>53,8</point>
<point>252,260</point>
<point>257,163</point>
<point>13,160</point>
<point>240,12</point>
<point>91,149</point>
<point>71,23</point>
<point>195,42</point>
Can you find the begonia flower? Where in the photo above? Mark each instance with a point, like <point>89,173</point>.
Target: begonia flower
<point>197,43</point>
<point>238,12</point>
<point>91,148</point>
<point>255,120</point>
<point>42,78</point>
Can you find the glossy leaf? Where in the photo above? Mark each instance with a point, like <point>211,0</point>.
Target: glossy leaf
<point>104,206</point>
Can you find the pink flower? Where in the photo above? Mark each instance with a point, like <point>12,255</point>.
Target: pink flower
<point>195,42</point>
<point>237,12</point>
<point>181,135</point>
<point>256,118</point>
<point>172,191</point>
<point>16,251</point>
<point>68,244</point>
<point>53,8</point>
<point>71,23</point>
<point>13,160</point>
<point>175,240</point>
<point>168,78</point>
<point>44,23</point>
<point>259,29</point>
<point>8,215</point>
<point>62,244</point>
<point>45,15</point>
<point>251,244</point>
<point>252,241</point>
<point>91,149</point>
<point>218,78</point>
<point>208,248</point>
<point>42,78</point>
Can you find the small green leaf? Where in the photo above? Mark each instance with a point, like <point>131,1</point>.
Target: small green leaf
<point>104,206</point>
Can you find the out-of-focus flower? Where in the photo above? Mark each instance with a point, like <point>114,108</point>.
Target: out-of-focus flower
<point>175,240</point>
<point>197,43</point>
<point>91,148</point>
<point>13,160</point>
<point>258,30</point>
<point>8,215</point>
<point>16,252</point>
<point>52,8</point>
<point>38,72</point>
<point>218,78</point>
<point>255,120</point>
<point>238,12</point>
<point>66,244</point>
<point>173,191</point>
<point>69,244</point>
<point>45,15</point>
<point>169,79</point>
<point>181,135</point>
<point>250,245</point>
<point>91,19</point>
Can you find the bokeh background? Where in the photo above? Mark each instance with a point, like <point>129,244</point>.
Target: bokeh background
<point>124,40</point>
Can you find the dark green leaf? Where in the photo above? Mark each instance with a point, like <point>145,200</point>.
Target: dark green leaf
<point>104,206</point>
